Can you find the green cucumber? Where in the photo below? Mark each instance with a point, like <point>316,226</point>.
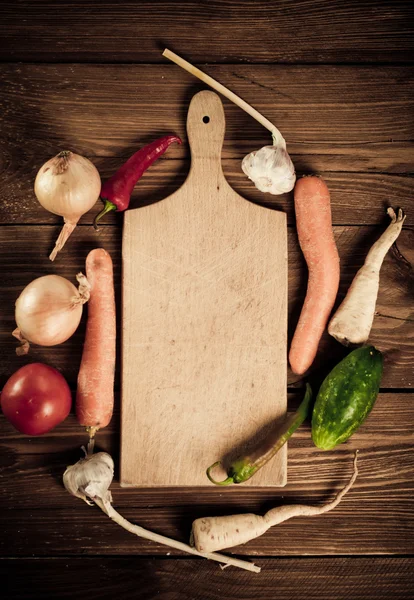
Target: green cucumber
<point>346,397</point>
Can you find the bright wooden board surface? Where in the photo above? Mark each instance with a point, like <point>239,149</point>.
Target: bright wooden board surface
<point>204,323</point>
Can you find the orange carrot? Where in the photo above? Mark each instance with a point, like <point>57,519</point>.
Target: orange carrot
<point>95,393</point>
<point>314,226</point>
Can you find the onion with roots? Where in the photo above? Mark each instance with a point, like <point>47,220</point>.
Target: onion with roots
<point>67,185</point>
<point>48,311</point>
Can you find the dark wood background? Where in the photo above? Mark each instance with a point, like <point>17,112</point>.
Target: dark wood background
<point>337,78</point>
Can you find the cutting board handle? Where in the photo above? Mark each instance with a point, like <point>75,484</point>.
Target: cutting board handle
<point>205,128</point>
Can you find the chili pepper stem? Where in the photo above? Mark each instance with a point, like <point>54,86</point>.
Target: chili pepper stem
<point>227,481</point>
<point>108,207</point>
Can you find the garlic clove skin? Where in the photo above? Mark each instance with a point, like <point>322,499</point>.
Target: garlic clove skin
<point>270,169</point>
<point>90,477</point>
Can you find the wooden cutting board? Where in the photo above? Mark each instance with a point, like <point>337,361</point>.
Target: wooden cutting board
<point>204,323</point>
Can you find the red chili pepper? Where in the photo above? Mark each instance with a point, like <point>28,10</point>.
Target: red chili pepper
<point>116,192</point>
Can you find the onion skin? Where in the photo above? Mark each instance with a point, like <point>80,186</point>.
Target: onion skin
<point>48,311</point>
<point>67,185</point>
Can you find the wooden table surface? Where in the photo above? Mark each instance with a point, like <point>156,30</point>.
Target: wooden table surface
<point>337,78</point>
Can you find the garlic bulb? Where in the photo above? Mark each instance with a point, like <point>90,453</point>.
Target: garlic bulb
<point>90,477</point>
<point>270,169</point>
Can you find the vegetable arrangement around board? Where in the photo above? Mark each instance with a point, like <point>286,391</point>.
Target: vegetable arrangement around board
<point>37,398</point>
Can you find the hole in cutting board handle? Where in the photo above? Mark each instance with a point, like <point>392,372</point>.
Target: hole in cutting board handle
<point>206,119</point>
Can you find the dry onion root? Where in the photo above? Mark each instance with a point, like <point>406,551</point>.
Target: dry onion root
<point>67,185</point>
<point>90,478</point>
<point>49,310</point>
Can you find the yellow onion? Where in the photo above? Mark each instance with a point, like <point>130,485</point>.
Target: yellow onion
<point>67,185</point>
<point>48,311</point>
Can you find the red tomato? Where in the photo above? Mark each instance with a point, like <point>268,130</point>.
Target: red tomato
<point>35,399</point>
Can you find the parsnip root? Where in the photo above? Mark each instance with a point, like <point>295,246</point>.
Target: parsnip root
<point>216,533</point>
<point>352,322</point>
<point>108,509</point>
<point>90,478</point>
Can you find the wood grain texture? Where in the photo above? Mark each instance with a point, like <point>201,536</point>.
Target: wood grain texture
<point>379,507</point>
<point>334,118</point>
<point>167,579</point>
<point>25,253</point>
<point>353,124</point>
<point>356,198</point>
<point>389,427</point>
<point>227,31</point>
<point>204,322</point>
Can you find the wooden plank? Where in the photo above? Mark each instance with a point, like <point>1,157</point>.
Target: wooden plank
<point>334,118</point>
<point>204,321</point>
<point>25,251</point>
<point>379,507</point>
<point>356,198</point>
<point>143,578</point>
<point>243,31</point>
<point>88,531</point>
<point>386,435</point>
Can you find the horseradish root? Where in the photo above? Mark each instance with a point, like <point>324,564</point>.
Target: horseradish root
<point>216,533</point>
<point>352,322</point>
